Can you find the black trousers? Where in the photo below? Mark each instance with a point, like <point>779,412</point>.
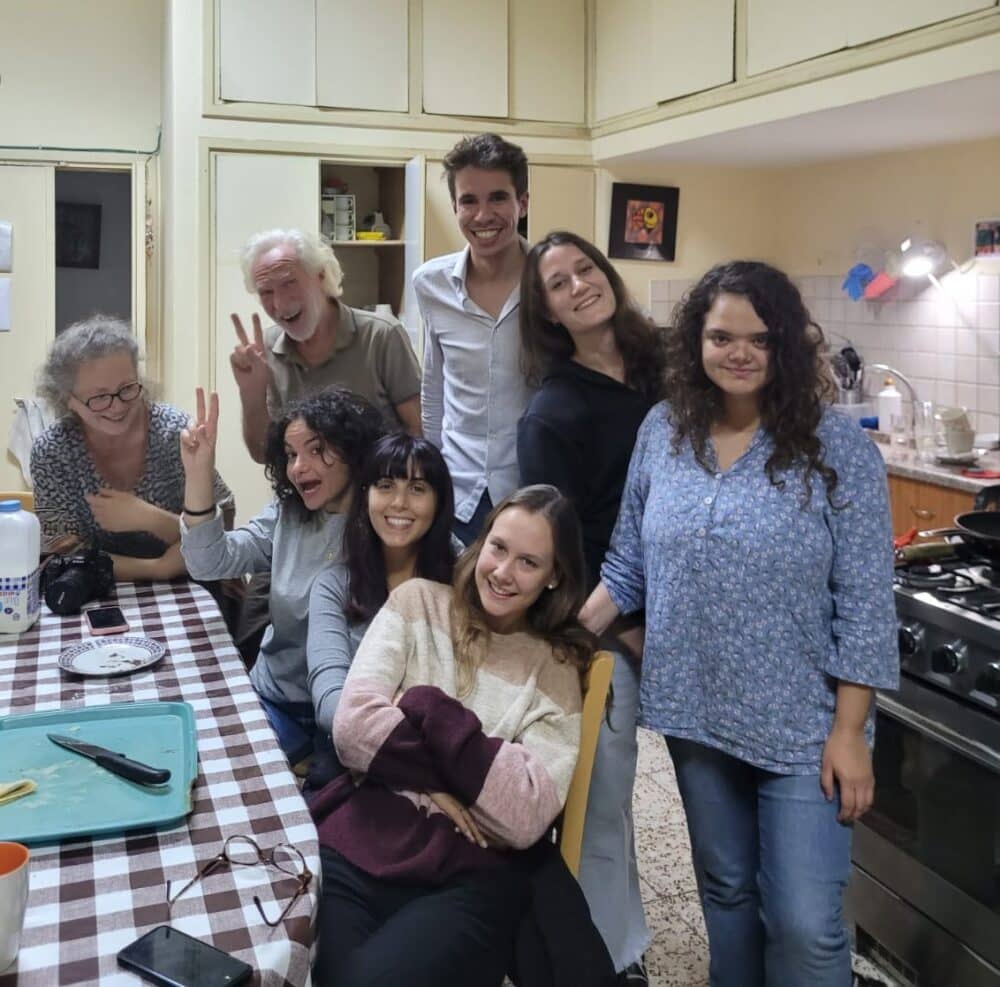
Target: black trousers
<point>374,932</point>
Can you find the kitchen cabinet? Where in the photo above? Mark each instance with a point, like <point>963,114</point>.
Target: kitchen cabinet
<point>362,55</point>
<point>465,55</point>
<point>548,53</point>
<point>650,51</point>
<point>783,32</point>
<point>267,51</point>
<point>926,505</point>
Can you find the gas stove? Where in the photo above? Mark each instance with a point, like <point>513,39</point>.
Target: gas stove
<point>949,628</point>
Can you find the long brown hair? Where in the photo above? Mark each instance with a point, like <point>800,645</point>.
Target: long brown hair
<point>797,389</point>
<point>544,342</point>
<point>552,617</point>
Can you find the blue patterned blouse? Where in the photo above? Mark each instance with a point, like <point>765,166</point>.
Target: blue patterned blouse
<point>755,606</point>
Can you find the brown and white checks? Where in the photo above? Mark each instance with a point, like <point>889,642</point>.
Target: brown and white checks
<point>91,897</point>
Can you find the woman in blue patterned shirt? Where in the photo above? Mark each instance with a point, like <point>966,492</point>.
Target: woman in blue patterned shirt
<point>754,529</point>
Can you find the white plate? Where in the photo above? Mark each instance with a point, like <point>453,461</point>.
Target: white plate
<point>958,459</point>
<point>111,656</point>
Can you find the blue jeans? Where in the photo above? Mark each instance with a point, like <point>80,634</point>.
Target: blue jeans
<point>772,863</point>
<point>298,736</point>
<point>466,531</point>
<point>609,875</point>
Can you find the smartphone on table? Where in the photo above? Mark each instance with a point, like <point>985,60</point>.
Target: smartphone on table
<point>175,959</point>
<point>106,620</point>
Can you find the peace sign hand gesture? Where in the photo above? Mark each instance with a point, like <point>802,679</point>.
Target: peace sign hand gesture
<point>249,360</point>
<point>198,439</point>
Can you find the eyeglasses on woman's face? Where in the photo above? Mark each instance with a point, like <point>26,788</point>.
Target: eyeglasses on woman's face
<point>127,393</point>
<point>245,851</point>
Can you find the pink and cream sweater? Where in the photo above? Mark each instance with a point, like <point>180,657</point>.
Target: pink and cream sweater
<point>507,750</point>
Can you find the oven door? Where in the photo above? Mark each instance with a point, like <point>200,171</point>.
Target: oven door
<point>932,837</point>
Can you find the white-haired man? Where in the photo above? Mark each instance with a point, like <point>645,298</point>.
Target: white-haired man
<point>316,339</point>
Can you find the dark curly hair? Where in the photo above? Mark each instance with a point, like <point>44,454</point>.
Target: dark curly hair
<point>544,342</point>
<point>489,152</point>
<point>348,424</point>
<point>797,387</point>
<point>397,456</point>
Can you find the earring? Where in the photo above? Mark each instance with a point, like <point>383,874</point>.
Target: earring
<point>552,586</point>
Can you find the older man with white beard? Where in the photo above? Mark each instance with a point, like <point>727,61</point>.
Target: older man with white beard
<point>316,339</point>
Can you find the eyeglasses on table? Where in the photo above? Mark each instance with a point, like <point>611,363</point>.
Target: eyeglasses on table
<point>244,851</point>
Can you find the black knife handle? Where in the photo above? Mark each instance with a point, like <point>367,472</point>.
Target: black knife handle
<point>119,764</point>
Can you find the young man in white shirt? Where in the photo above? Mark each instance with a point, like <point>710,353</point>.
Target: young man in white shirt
<point>473,390</point>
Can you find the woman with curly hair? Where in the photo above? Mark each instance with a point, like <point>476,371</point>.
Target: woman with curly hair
<point>460,718</point>
<point>754,528</point>
<point>600,363</point>
<point>315,449</point>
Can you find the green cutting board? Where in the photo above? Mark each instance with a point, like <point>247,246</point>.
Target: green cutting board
<point>75,797</point>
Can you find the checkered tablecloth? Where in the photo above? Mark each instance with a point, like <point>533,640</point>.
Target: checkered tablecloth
<point>91,897</point>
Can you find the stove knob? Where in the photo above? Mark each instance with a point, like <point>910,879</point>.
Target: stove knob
<point>910,637</point>
<point>989,679</point>
<point>949,659</point>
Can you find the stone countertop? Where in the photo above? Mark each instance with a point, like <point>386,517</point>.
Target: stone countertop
<point>903,461</point>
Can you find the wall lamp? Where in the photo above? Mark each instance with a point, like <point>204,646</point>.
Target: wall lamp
<point>923,258</point>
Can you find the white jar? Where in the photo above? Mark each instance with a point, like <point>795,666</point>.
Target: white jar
<point>890,407</point>
<point>20,547</point>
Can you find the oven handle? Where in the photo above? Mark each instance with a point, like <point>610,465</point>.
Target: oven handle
<point>986,756</point>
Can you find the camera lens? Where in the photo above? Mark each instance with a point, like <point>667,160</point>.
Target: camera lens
<point>68,592</point>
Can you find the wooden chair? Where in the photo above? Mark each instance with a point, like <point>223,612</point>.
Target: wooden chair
<point>26,497</point>
<point>595,697</point>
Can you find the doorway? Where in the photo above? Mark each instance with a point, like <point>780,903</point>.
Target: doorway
<point>93,244</point>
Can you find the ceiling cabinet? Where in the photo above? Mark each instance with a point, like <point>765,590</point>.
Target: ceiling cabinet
<point>651,51</point>
<point>783,32</point>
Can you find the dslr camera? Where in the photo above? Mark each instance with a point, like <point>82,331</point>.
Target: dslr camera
<point>70,581</point>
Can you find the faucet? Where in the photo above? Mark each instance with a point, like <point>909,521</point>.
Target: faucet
<point>907,383</point>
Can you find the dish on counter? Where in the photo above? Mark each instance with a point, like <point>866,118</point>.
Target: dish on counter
<point>958,459</point>
<point>111,656</point>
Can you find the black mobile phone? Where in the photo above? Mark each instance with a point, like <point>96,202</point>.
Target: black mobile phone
<point>106,620</point>
<point>166,956</point>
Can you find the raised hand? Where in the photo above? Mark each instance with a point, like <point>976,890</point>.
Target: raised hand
<point>249,360</point>
<point>198,439</point>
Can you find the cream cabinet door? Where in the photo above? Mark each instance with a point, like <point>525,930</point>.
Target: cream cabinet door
<point>548,52</point>
<point>781,32</point>
<point>27,202</point>
<point>267,51</point>
<point>362,54</point>
<point>870,21</point>
<point>621,70</point>
<point>252,192</point>
<point>560,198</point>
<point>465,57</point>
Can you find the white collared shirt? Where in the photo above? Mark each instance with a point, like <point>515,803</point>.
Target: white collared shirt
<point>473,391</point>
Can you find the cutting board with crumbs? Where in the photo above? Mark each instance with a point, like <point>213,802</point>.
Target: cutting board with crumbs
<point>75,797</point>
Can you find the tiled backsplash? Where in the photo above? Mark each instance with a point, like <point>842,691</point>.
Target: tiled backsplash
<point>946,340</point>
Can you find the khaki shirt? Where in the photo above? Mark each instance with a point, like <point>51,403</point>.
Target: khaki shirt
<point>372,356</point>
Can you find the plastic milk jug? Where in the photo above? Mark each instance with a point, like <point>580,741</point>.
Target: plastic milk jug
<point>20,546</point>
<point>890,407</point>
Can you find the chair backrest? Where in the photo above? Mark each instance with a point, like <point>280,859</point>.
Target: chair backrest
<point>595,695</point>
<point>26,497</point>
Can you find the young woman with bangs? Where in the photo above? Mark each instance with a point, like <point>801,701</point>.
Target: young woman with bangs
<point>398,527</point>
<point>460,723</point>
<point>754,529</point>
<point>315,449</point>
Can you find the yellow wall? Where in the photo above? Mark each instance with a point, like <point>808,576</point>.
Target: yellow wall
<point>80,75</point>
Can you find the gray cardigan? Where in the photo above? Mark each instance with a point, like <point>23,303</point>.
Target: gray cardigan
<point>294,552</point>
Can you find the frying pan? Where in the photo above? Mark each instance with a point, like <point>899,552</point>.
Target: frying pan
<point>981,522</point>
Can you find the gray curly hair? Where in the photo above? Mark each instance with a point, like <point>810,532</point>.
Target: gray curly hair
<point>89,339</point>
<point>315,255</point>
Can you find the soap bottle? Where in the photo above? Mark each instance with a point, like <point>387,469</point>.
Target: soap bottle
<point>20,546</point>
<point>890,407</point>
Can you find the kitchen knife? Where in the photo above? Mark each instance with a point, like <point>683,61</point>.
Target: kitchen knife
<point>118,764</point>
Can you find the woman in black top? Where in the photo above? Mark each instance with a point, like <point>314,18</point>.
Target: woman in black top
<point>600,364</point>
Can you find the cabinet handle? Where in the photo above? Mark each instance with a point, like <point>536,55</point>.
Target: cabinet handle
<point>922,512</point>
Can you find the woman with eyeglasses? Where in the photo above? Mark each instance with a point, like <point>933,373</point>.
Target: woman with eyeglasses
<point>109,470</point>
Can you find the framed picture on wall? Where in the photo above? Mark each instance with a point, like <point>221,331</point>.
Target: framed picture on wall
<point>643,222</point>
<point>988,238</point>
<point>78,234</point>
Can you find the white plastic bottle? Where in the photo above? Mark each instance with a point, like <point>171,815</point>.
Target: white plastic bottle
<point>890,407</point>
<point>20,547</point>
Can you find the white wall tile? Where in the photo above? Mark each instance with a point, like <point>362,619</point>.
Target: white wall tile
<point>659,291</point>
<point>965,342</point>
<point>989,371</point>
<point>965,395</point>
<point>660,312</point>
<point>988,341</point>
<point>988,399</point>
<point>988,316</point>
<point>985,422</point>
<point>944,392</point>
<point>944,341</point>
<point>988,288</point>
<point>965,369</point>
